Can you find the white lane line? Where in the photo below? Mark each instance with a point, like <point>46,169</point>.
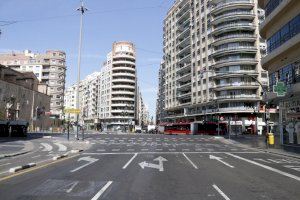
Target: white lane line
<point>115,150</point>
<point>47,147</point>
<point>144,149</point>
<point>5,164</point>
<point>130,149</point>
<point>158,149</point>
<point>36,156</point>
<point>266,167</point>
<point>101,150</point>
<point>4,172</point>
<point>61,147</point>
<point>131,159</point>
<point>96,197</point>
<point>195,166</point>
<point>221,192</point>
<point>166,152</point>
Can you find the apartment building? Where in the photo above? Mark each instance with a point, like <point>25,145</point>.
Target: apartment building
<point>117,94</point>
<point>281,29</point>
<point>160,102</point>
<point>49,68</point>
<point>212,52</point>
<point>88,101</point>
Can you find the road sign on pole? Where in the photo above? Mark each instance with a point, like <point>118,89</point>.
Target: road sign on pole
<point>72,110</point>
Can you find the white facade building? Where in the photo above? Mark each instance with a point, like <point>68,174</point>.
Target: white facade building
<point>212,52</point>
<point>118,88</point>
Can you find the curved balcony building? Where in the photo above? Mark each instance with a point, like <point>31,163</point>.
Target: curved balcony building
<point>118,87</point>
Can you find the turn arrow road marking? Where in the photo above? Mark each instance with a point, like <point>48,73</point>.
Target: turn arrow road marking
<point>88,159</point>
<point>158,166</point>
<point>220,160</point>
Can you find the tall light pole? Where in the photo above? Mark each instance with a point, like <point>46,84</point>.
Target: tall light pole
<point>82,9</point>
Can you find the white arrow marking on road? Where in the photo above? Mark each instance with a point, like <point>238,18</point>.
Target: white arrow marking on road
<point>47,147</point>
<point>61,147</point>
<point>88,159</point>
<point>158,166</point>
<point>220,160</point>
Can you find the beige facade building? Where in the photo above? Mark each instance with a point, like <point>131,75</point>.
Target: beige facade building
<point>212,52</point>
<point>22,97</point>
<point>49,68</point>
<point>117,102</point>
<point>281,29</point>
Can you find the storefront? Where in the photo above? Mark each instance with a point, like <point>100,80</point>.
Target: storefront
<point>290,121</point>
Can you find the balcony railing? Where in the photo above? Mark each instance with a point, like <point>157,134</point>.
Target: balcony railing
<point>232,14</point>
<point>229,2</point>
<point>232,36</point>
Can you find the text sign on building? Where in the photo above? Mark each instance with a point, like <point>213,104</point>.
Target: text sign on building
<point>280,89</point>
<point>72,110</point>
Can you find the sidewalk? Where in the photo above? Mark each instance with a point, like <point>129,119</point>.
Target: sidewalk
<point>258,143</point>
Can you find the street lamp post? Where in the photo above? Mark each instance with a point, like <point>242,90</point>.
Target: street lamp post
<point>82,9</point>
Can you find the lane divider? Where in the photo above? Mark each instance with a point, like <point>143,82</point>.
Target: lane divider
<point>19,168</point>
<point>76,150</point>
<point>60,156</point>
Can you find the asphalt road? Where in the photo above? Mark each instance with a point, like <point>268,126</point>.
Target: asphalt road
<point>159,167</point>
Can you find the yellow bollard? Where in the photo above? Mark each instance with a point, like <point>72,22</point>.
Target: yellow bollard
<point>271,138</point>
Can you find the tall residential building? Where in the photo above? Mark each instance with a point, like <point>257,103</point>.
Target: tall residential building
<point>88,100</point>
<point>212,52</point>
<point>281,29</point>
<point>49,68</point>
<point>116,106</point>
<point>160,102</point>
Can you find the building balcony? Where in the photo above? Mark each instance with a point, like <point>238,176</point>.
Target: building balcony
<point>240,85</point>
<point>183,69</point>
<point>185,16</point>
<point>232,50</point>
<point>122,62</point>
<point>123,74</point>
<point>239,97</point>
<point>233,27</point>
<point>122,80</point>
<point>234,38</point>
<point>184,51</point>
<point>123,92</point>
<point>238,73</point>
<point>234,61</point>
<point>126,56</point>
<point>123,86</point>
<point>184,87</point>
<point>233,16</point>
<point>232,4</point>
<point>183,6</point>
<point>184,77</point>
<point>183,43</point>
<point>118,98</point>
<point>183,33</point>
<point>186,95</point>
<point>121,111</point>
<point>122,67</point>
<point>184,59</point>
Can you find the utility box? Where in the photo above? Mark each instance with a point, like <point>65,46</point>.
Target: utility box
<point>271,140</point>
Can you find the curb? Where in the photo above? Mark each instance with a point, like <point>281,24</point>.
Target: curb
<point>12,155</point>
<point>76,150</point>
<point>59,157</point>
<point>19,168</point>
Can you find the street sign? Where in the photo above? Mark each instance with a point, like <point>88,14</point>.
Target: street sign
<point>280,89</point>
<point>72,110</point>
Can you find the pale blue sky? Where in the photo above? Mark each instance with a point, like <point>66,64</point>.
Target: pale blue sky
<point>54,24</point>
